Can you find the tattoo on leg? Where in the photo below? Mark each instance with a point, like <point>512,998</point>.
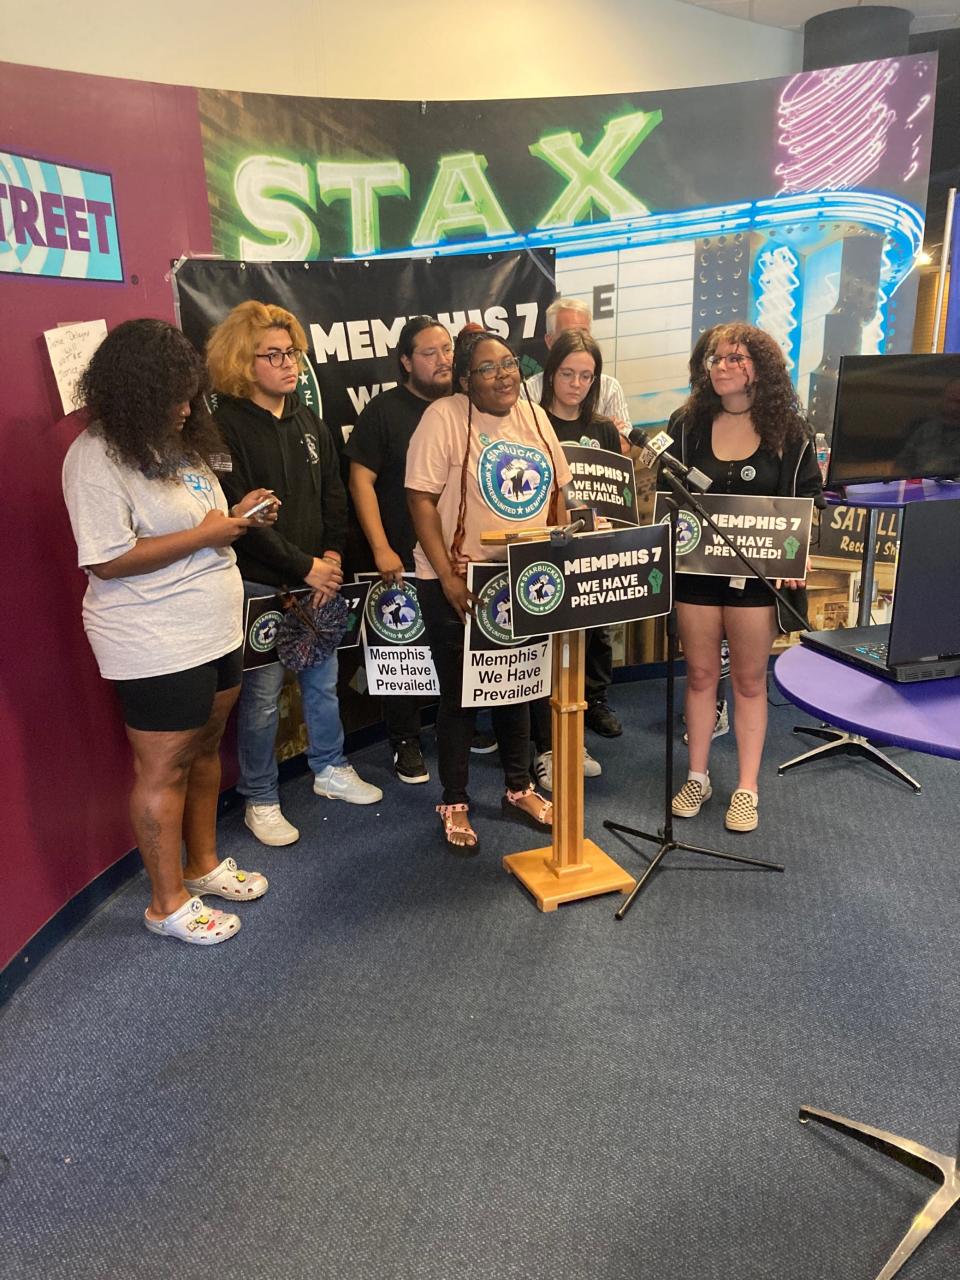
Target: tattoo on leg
<point>150,830</point>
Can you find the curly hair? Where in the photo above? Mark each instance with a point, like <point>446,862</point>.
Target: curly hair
<point>776,412</point>
<point>232,344</point>
<point>138,375</point>
<point>567,343</point>
<point>467,341</point>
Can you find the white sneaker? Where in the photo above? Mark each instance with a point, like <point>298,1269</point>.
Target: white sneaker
<point>543,769</point>
<point>720,726</point>
<point>269,825</point>
<point>342,782</point>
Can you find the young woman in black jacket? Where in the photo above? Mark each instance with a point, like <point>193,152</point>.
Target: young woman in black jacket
<point>742,424</point>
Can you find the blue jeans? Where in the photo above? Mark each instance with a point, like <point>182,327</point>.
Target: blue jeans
<point>257,716</point>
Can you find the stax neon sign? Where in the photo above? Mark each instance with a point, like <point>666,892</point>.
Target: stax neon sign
<point>277,195</point>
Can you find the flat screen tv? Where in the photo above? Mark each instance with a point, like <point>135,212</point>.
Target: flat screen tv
<point>896,418</point>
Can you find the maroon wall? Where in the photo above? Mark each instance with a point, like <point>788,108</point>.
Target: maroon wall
<point>64,762</point>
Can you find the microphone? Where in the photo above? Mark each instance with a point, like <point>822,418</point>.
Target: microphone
<point>653,451</point>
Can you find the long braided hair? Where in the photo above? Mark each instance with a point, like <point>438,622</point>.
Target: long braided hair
<point>467,341</point>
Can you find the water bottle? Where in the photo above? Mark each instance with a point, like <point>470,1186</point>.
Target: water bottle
<point>823,454</point>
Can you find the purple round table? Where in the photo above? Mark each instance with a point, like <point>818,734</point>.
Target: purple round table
<point>924,716</point>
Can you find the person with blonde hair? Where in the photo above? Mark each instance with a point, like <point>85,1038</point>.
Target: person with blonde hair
<point>254,358</point>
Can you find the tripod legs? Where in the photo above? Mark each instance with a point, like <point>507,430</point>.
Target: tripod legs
<point>932,1164</point>
<point>666,846</point>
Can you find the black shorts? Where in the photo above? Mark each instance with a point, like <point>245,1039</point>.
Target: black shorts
<point>181,700</point>
<point>703,588</point>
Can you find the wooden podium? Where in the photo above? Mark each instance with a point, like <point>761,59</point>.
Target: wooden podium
<point>571,867</point>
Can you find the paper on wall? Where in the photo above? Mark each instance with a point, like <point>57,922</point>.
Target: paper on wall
<point>70,347</point>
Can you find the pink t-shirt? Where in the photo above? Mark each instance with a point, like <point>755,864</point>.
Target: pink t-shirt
<point>511,470</point>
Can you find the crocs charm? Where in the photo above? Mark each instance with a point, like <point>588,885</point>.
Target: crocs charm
<point>200,916</point>
<point>241,876</point>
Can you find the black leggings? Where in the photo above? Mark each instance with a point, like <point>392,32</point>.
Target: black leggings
<point>455,723</point>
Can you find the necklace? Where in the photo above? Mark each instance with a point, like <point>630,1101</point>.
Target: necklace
<point>738,413</point>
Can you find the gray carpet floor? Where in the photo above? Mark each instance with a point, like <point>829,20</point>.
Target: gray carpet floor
<point>400,1068</point>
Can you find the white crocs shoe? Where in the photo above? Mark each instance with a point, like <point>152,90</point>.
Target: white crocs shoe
<point>197,923</point>
<point>342,782</point>
<point>228,881</point>
<point>268,824</point>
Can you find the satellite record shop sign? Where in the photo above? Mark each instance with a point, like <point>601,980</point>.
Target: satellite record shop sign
<point>775,531</point>
<point>593,580</point>
<point>604,481</point>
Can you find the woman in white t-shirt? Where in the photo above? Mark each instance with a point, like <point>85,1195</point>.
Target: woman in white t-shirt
<point>162,609</point>
<point>479,460</point>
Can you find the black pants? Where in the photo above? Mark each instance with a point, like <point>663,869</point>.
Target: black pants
<point>597,675</point>
<point>597,665</point>
<point>401,715</point>
<point>511,724</point>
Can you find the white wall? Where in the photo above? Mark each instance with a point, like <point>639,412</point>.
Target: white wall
<point>399,48</point>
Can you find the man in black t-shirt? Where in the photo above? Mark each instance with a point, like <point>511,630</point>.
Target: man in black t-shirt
<point>377,450</point>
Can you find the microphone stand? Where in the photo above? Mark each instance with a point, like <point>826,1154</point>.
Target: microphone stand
<point>664,837</point>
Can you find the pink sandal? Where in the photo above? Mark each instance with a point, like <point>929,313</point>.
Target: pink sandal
<point>466,845</point>
<point>544,815</point>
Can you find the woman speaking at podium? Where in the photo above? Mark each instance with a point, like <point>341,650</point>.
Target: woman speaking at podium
<point>742,425</point>
<point>479,460</point>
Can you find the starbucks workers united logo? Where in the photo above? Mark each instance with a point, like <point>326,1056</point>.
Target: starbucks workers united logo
<point>492,615</point>
<point>514,479</point>
<point>393,612</point>
<point>689,531</point>
<point>540,587</point>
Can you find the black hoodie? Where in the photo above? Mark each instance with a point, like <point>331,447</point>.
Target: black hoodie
<point>294,456</point>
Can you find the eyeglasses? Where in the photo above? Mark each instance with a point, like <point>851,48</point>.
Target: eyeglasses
<point>489,369</point>
<point>736,360</point>
<point>277,358</point>
<point>574,375</point>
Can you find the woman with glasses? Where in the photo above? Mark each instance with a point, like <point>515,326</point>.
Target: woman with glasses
<point>162,608</point>
<point>479,460</point>
<point>743,425</point>
<point>275,440</point>
<point>569,393</point>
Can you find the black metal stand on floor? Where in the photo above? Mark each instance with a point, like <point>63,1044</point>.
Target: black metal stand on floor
<point>932,1164</point>
<point>853,744</point>
<point>664,838</point>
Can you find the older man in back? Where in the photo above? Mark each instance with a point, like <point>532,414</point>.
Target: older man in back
<point>574,313</point>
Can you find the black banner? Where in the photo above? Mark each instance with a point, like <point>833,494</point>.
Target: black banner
<point>592,580</point>
<point>352,312</point>
<point>775,531</point>
<point>604,481</point>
